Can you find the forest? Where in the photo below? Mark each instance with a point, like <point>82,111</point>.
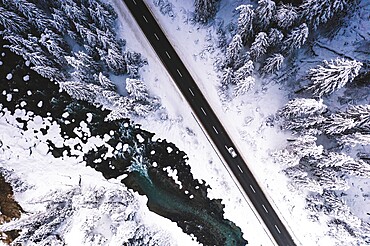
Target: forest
<point>74,44</point>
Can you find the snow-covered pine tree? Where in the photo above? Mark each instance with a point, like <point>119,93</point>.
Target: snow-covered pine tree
<point>296,38</point>
<point>86,34</point>
<point>272,63</point>
<point>137,89</point>
<point>74,12</point>
<point>245,21</point>
<point>60,21</point>
<point>51,73</point>
<point>80,91</point>
<point>134,61</point>
<point>244,71</point>
<point>227,76</point>
<point>354,118</point>
<point>355,139</point>
<point>303,115</point>
<point>34,14</point>
<point>332,75</point>
<point>233,49</point>
<point>275,37</point>
<point>321,11</point>
<point>345,164</point>
<point>244,85</point>
<point>329,179</point>
<point>259,46</point>
<point>114,60</point>
<point>205,9</point>
<point>304,146</point>
<point>101,15</point>
<point>286,16</point>
<point>11,22</point>
<point>105,82</point>
<point>264,14</point>
<point>300,179</point>
<point>55,45</point>
<point>302,107</point>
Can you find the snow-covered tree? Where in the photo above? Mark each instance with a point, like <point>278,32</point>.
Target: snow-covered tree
<point>296,38</point>
<point>12,22</point>
<point>273,63</point>
<point>227,76</point>
<point>245,21</point>
<point>355,117</point>
<point>87,34</point>
<point>300,179</point>
<point>345,164</point>
<point>286,16</point>
<point>333,75</point>
<point>34,14</point>
<point>101,15</point>
<point>54,44</point>
<point>259,46</point>
<point>51,73</point>
<point>275,37</point>
<point>296,149</point>
<point>60,21</point>
<point>137,89</point>
<point>321,11</point>
<point>302,115</point>
<point>80,91</point>
<point>205,9</point>
<point>244,71</point>
<point>233,49</point>
<point>244,85</point>
<point>134,61</point>
<point>355,139</point>
<point>105,82</point>
<point>114,60</point>
<point>264,14</point>
<point>329,179</point>
<point>302,107</point>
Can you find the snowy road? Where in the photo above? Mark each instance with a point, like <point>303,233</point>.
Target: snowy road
<point>208,119</point>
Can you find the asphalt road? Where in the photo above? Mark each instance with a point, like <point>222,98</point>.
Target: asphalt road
<point>208,119</point>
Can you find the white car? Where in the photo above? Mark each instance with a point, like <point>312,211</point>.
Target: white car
<point>231,151</point>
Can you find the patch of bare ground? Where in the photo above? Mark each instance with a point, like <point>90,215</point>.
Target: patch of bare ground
<point>9,209</point>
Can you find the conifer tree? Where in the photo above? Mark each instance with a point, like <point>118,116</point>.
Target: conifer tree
<point>286,16</point>
<point>264,14</point>
<point>296,38</point>
<point>332,75</point>
<point>227,76</point>
<point>136,89</point>
<point>273,63</point>
<point>244,71</point>
<point>205,9</point>
<point>245,21</point>
<point>12,22</point>
<point>244,85</point>
<point>233,49</point>
<point>259,46</point>
<point>303,115</point>
<point>355,139</point>
<point>354,118</point>
<point>321,11</point>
